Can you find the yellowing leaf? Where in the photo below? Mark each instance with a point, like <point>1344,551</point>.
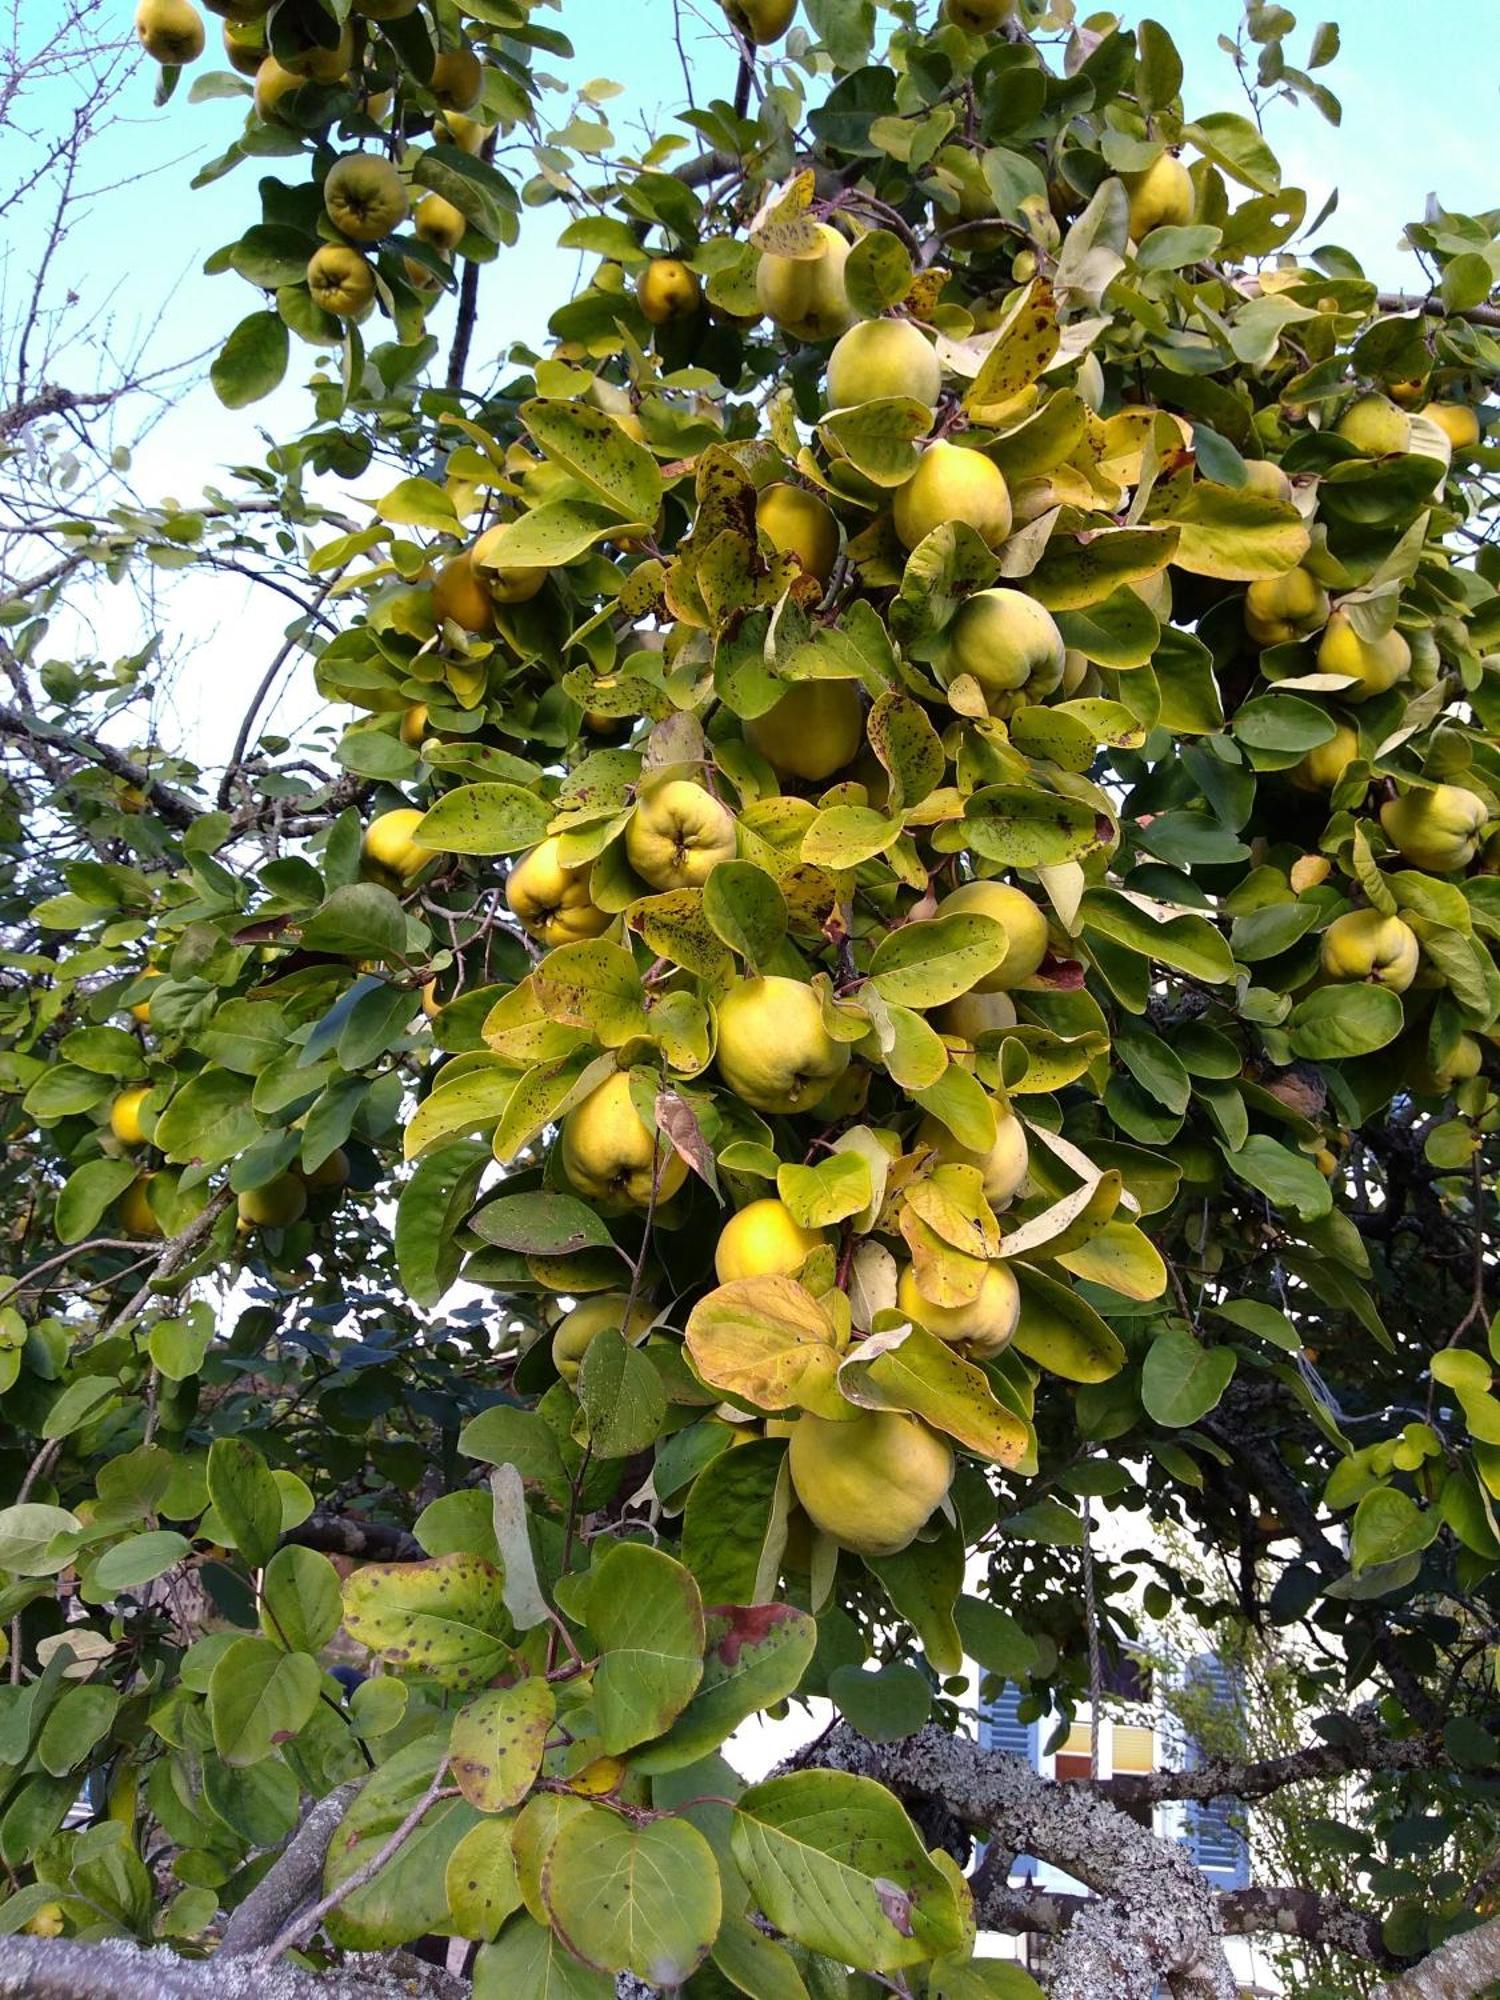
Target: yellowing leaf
<point>768,1342</point>
<point>910,1369</point>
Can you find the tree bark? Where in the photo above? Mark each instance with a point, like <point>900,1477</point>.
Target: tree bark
<point>1461,1969</point>
<point>116,1969</point>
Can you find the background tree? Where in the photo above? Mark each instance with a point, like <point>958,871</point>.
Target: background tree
<point>906,911</point>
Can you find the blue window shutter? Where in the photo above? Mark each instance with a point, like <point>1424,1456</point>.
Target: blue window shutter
<point>1215,1834</point>
<point>1000,1728</point>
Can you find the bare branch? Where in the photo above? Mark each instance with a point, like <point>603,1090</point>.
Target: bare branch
<point>1397,302</point>
<point>173,806</point>
<point>292,1878</point>
<point>1362,1745</point>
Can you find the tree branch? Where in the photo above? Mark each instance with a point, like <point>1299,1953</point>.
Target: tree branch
<point>174,807</point>
<point>1153,1914</point>
<point>347,1535</point>
<point>1361,1745</point>
<point>294,639</point>
<point>1461,1969</point>
<point>64,1969</point>
<point>291,1879</point>
<point>1397,302</point>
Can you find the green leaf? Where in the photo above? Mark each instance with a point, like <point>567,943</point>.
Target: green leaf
<point>879,438</point>
<point>210,1120</point>
<point>1234,144</point>
<point>928,963</point>
<point>259,1697</point>
<point>407,1897</point>
<point>300,1601</point>
<point>592,447</point>
<point>138,1560</point>
<point>81,1401</point>
<point>994,1639</point>
<point>528,1962</point>
<point>34,1538</point>
<point>745,910</point>
<point>646,1617</point>
<point>734,1524</point>
<point>633,1898</point>
<point>246,1498</point>
<point>837,1187</point>
<point>982,1978</point>
<point>1388,1525</point>
<point>836,1865</point>
<point>86,1194</point>
<point>431,1205</point>
<point>497,1743</point>
<point>419,503</point>
<point>1061,1332</point>
<point>252,360</point>
<point>1187,943</point>
<point>754,1655</point>
<point>1023,828</point>
<point>622,1396</point>
<point>1284,1177</point>
<point>484,819</point>
<point>891,1703</point>
<point>911,1369</point>
<point>481,1882</point>
<point>361,920</point>
<point>1349,1019</point>
<point>767,1341</point>
<point>445,1618</point>
<point>543,1224</point>
<point>1182,1381</point>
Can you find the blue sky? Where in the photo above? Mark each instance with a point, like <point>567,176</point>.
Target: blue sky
<point>1419,115</point>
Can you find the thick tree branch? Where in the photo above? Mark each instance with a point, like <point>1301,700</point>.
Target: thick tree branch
<point>62,1969</point>
<point>1153,1914</point>
<point>1303,1913</point>
<point>1461,1969</point>
<point>346,1535</point>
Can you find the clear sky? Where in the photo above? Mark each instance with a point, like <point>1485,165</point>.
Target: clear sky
<point>1421,92</point>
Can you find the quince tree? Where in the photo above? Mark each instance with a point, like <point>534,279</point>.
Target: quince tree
<point>896,945</point>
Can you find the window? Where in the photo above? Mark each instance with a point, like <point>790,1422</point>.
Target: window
<point>1214,1827</point>
<point>1001,1728</point>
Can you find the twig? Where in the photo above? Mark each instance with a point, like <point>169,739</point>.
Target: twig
<point>293,640</point>
<point>304,1925</point>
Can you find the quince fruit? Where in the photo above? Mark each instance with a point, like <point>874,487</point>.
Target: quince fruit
<point>552,900</point>
<point>813,731</point>
<point>1438,830</point>
<point>365,197</point>
<point>805,295</point>
<point>576,1331</point>
<point>274,1206</point>
<point>797,523</point>
<point>985,1325</point>
<point>389,855</point>
<point>125,1117</point>
<point>774,1052</point>
<point>1375,426</point>
<point>1375,664</point>
<point>1161,194</point>
<point>763,1240</point>
<point>610,1157</point>
<point>953,484</point>
<point>667,290</point>
<point>1363,944</point>
<point>1003,1167</point>
<point>1023,923</point>
<point>870,1483</point>
<point>678,834</point>
<point>881,358</point>
<point>1008,642</point>
<point>1279,609</point>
